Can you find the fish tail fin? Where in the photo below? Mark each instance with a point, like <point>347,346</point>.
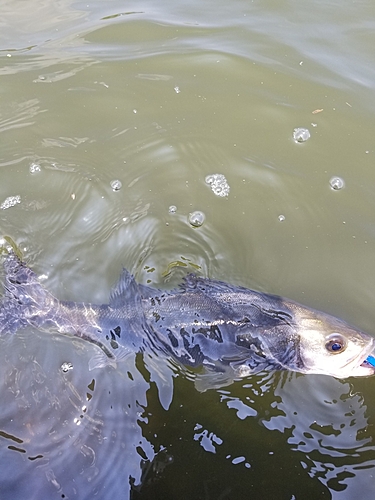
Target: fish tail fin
<point>25,301</point>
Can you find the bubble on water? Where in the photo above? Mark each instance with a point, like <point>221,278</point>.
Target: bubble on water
<point>34,168</point>
<point>243,371</point>
<point>301,134</point>
<point>218,183</point>
<point>10,202</point>
<point>65,367</point>
<point>238,460</point>
<point>177,90</point>
<point>172,209</point>
<point>336,183</point>
<point>281,218</point>
<point>196,218</point>
<point>116,185</point>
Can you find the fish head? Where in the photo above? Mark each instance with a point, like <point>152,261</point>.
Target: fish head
<point>330,346</point>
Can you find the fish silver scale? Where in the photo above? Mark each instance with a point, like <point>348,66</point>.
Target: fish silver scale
<point>203,322</point>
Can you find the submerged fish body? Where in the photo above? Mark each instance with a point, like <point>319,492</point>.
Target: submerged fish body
<point>203,322</point>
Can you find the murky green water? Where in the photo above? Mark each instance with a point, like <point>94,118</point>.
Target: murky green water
<point>159,96</point>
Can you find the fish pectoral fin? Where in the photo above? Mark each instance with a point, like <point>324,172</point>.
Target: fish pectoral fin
<point>205,381</point>
<point>213,377</point>
<point>242,369</point>
<point>222,374</point>
<point>250,366</point>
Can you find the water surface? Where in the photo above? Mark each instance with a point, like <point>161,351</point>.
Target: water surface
<point>158,97</point>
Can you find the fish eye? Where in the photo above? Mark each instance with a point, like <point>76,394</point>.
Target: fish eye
<point>335,343</point>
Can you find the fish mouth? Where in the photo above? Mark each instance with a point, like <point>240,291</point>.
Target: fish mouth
<point>364,369</point>
<point>367,368</point>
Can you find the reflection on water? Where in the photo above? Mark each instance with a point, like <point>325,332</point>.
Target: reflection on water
<point>158,98</point>
<point>331,441</point>
<point>267,426</point>
<point>69,433</point>
<point>66,432</point>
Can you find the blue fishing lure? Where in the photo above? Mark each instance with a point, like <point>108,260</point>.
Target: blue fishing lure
<point>371,360</point>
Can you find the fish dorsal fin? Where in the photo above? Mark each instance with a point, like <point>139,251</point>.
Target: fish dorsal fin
<point>192,282</point>
<point>125,291</point>
<point>189,283</point>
